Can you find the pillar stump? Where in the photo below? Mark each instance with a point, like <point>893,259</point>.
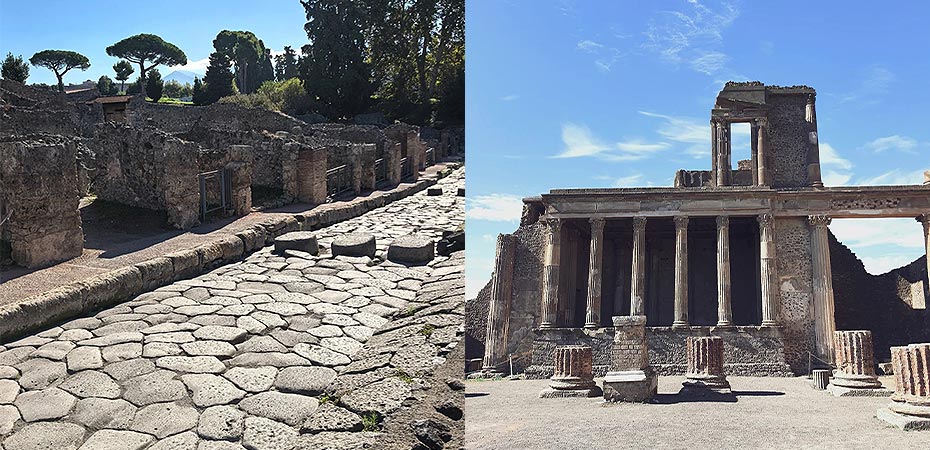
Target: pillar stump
<point>820,379</point>
<point>630,379</point>
<point>572,374</point>
<point>855,368</point>
<point>705,366</point>
<point>910,404</point>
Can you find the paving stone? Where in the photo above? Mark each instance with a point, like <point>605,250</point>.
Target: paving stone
<point>304,241</point>
<point>251,325</point>
<point>282,308</point>
<point>82,358</point>
<point>99,413</point>
<point>265,434</point>
<point>185,441</point>
<point>330,417</point>
<point>210,390</point>
<point>331,296</point>
<point>294,297</point>
<point>324,331</point>
<point>222,301</point>
<point>261,344</point>
<point>158,349</point>
<point>128,369</point>
<point>176,302</point>
<point>76,334</point>
<point>46,404</point>
<point>288,408</point>
<point>257,379</point>
<point>124,317</point>
<point>304,380</point>
<point>46,436</point>
<point>273,359</point>
<point>86,323</point>
<point>8,417</point>
<point>164,419</point>
<point>320,355</point>
<point>209,348</point>
<point>302,323</point>
<point>91,383</point>
<point>369,320</point>
<point>122,352</point>
<point>271,320</point>
<point>120,327</point>
<point>197,294</point>
<point>214,320</point>
<point>382,397</point>
<point>197,310</point>
<point>29,341</point>
<point>341,320</point>
<point>257,287</point>
<point>345,345</point>
<point>153,309</point>
<point>220,445</point>
<point>158,386</point>
<point>8,373</point>
<point>221,333</point>
<point>305,287</point>
<point>191,364</point>
<point>221,423</point>
<point>237,310</point>
<point>255,299</point>
<point>113,339</point>
<point>117,440</point>
<point>169,327</point>
<point>9,389</point>
<point>359,333</point>
<point>41,373</point>
<point>411,249</point>
<point>56,350</point>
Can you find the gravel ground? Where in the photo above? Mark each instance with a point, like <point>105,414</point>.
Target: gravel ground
<point>769,413</point>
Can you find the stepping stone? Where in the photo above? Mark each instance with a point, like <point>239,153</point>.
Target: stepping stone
<point>291,409</point>
<point>434,191</point>
<point>304,241</point>
<point>221,423</point>
<point>164,419</point>
<point>46,435</point>
<point>411,249</point>
<point>113,439</point>
<point>45,404</point>
<point>304,380</point>
<point>354,244</point>
<point>97,413</point>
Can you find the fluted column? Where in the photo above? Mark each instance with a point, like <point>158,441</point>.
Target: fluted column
<point>705,363</point>
<point>724,312</point>
<point>495,343</point>
<point>593,310</point>
<point>638,286</point>
<point>551,273</point>
<point>768,271</point>
<point>761,153</point>
<point>855,365</point>
<point>572,367</point>
<point>681,272</point>
<point>925,220</point>
<point>824,323</point>
<point>911,366</point>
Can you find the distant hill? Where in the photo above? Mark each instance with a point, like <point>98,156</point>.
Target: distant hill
<point>182,76</point>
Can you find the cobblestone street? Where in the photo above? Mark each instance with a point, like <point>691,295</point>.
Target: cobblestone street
<point>272,352</point>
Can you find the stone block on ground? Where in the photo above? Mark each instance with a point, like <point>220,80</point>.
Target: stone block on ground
<point>304,241</point>
<point>630,386</point>
<point>354,244</point>
<point>411,249</point>
<point>434,191</point>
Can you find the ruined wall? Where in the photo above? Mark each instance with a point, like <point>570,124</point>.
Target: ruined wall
<point>788,140</point>
<point>219,116</point>
<point>795,289</point>
<point>882,304</point>
<point>25,110</point>
<point>40,194</point>
<point>147,168</point>
<point>526,300</point>
<point>476,323</point>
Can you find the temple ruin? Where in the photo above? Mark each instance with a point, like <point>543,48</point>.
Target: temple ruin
<point>740,252</point>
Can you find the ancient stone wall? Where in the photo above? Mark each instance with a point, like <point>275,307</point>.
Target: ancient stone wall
<point>39,198</point>
<point>787,140</point>
<point>219,116</point>
<point>147,168</point>
<point>795,286</point>
<point>476,323</point>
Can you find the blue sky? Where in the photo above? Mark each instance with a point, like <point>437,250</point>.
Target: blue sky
<point>88,27</point>
<point>618,93</point>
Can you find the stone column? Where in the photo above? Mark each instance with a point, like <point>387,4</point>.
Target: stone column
<point>754,152</point>
<point>761,153</point>
<point>721,154</point>
<point>724,312</point>
<point>824,323</point>
<point>713,149</point>
<point>593,310</point>
<point>551,273</point>
<point>768,270</point>
<point>572,373</point>
<point>311,175</point>
<point>813,156</point>
<point>705,364</point>
<point>630,379</point>
<point>924,219</point>
<point>855,365</point>
<point>392,157</point>
<point>910,405</point>
<point>638,274</point>
<point>495,344</point>
<point>681,272</point>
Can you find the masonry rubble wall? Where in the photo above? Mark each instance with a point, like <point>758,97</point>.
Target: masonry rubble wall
<point>39,197</point>
<point>218,116</point>
<point>147,168</point>
<point>795,289</point>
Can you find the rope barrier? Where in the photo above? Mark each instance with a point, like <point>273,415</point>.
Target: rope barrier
<point>810,368</point>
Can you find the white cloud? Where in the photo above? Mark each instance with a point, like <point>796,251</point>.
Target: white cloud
<point>629,181</point>
<point>605,56</point>
<point>589,46</point>
<point>495,207</point>
<point>477,273</point>
<point>877,265</point>
<point>895,142</point>
<point>199,66</point>
<point>831,158</point>
<point>896,177</point>
<point>709,62</point>
<point>509,98</point>
<point>833,178</point>
<point>690,35</point>
<point>874,83</point>
<point>863,233</point>
<point>580,141</point>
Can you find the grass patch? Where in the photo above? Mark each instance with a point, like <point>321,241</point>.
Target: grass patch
<point>371,422</point>
<point>404,376</point>
<point>427,330</point>
<point>326,398</point>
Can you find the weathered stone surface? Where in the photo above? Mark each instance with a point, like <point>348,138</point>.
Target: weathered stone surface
<point>158,386</point>
<point>288,408</point>
<point>91,383</point>
<point>345,345</point>
<point>8,417</point>
<point>164,419</point>
<point>381,397</point>
<point>261,344</point>
<point>330,417</point>
<point>304,380</point>
<point>304,241</point>
<point>354,244</point>
<point>46,436</point>
<point>9,389</point>
<point>82,358</point>
<point>266,434</point>
<point>258,379</point>
<point>128,369</point>
<point>56,350</point>
<point>191,364</point>
<point>209,348</point>
<point>268,359</point>
<point>8,373</point>
<point>221,423</point>
<point>41,373</point>
<point>209,390</point>
<point>159,349</point>
<point>122,352</point>
<point>321,355</point>
<point>117,440</point>
<point>183,441</point>
<point>45,404</point>
<point>99,413</point>
<point>411,249</point>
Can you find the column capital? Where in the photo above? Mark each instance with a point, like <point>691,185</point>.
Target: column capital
<point>723,221</point>
<point>639,223</point>
<point>819,220</point>
<point>761,122</point>
<point>597,224</point>
<point>681,221</point>
<point>765,220</point>
<point>924,218</point>
<point>553,224</point>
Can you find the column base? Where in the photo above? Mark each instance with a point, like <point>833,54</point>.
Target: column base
<point>725,325</point>
<point>845,380</point>
<point>550,392</point>
<point>841,391</point>
<point>679,324</point>
<point>592,325</point>
<point>903,421</point>
<point>769,323</point>
<point>630,385</point>
<point>545,326</point>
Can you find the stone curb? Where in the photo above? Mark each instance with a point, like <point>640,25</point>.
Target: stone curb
<point>101,291</point>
